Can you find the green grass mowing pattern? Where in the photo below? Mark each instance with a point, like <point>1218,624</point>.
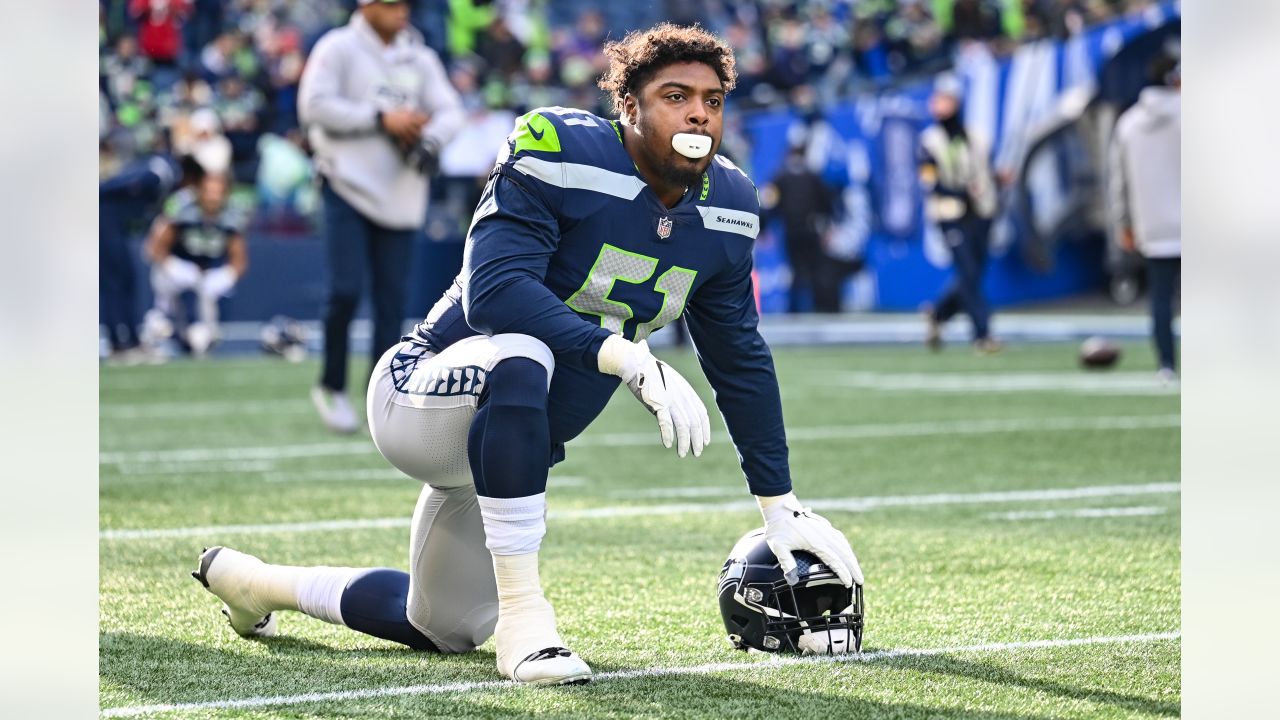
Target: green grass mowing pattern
<point>638,592</point>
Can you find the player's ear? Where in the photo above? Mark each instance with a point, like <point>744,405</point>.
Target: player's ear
<point>629,108</point>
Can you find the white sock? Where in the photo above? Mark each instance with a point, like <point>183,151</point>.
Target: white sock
<point>319,592</point>
<point>526,621</point>
<point>316,591</point>
<point>514,526</point>
<point>513,529</point>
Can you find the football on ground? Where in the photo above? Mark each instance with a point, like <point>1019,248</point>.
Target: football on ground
<point>1099,353</point>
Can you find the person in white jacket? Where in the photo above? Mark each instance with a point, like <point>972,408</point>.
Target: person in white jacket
<point>378,107</point>
<point>1146,186</point>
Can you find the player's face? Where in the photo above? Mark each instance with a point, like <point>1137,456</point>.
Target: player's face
<point>681,98</point>
<point>213,193</point>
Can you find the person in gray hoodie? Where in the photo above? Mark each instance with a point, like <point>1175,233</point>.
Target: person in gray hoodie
<point>378,107</point>
<point>1146,189</point>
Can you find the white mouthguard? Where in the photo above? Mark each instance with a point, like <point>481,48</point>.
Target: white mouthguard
<point>691,145</point>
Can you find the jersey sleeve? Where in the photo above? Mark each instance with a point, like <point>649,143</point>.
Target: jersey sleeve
<point>513,236</point>
<point>180,208</point>
<point>723,324</point>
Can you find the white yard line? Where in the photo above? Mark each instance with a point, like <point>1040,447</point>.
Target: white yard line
<point>860,504</point>
<point>269,452</point>
<point>1139,511</point>
<point>213,408</point>
<point>762,663</point>
<point>971,426</point>
<point>1129,383</point>
<point>676,492</point>
<point>335,475</point>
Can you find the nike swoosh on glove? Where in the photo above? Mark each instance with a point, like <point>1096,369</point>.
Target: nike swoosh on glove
<point>789,527</point>
<point>682,418</point>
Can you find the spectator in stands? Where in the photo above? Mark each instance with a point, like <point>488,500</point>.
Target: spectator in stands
<point>955,169</point>
<point>240,106</point>
<point>206,21</point>
<point>378,107</point>
<point>538,88</point>
<point>197,247</point>
<point>914,37</point>
<point>502,52</point>
<point>790,55</point>
<point>975,20</point>
<point>160,34</point>
<point>123,69</point>
<point>200,135</point>
<point>1146,182</point>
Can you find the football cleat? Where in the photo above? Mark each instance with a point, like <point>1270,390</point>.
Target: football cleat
<point>201,337</point>
<point>228,574</point>
<point>335,410</point>
<point>552,666</point>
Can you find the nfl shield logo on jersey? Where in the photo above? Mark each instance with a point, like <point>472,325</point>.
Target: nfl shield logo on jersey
<point>664,228</point>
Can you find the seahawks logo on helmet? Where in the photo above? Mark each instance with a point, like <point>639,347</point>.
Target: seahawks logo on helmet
<point>817,615</point>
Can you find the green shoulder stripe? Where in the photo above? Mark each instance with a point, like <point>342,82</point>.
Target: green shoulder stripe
<point>535,132</point>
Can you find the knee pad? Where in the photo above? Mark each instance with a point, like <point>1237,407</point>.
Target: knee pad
<point>507,346</point>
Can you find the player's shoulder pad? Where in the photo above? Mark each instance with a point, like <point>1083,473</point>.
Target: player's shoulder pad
<point>565,135</point>
<point>182,208</point>
<point>731,188</point>
<point>731,203</point>
<point>234,218</point>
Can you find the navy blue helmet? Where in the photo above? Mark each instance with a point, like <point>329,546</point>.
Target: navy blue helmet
<point>817,615</point>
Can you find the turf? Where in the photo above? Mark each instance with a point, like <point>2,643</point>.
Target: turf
<point>636,592</point>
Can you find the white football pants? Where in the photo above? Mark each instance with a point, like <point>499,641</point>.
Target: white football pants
<point>176,276</point>
<point>420,407</point>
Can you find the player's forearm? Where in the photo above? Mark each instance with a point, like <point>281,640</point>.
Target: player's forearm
<point>747,394</point>
<point>524,305</point>
<point>757,431</point>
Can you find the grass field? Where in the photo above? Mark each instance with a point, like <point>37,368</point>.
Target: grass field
<point>1016,518</point>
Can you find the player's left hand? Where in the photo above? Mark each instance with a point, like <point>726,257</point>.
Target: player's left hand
<point>218,281</point>
<point>682,418</point>
<point>789,527</point>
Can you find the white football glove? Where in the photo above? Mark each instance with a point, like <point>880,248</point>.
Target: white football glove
<point>789,527</point>
<point>183,274</point>
<point>682,417</point>
<point>218,281</point>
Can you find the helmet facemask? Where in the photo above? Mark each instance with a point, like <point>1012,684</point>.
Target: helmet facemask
<point>806,617</point>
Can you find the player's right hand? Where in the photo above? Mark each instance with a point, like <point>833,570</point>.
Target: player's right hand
<point>682,418</point>
<point>788,527</point>
<point>182,273</point>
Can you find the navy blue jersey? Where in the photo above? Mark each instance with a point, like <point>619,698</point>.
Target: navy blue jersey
<point>569,245</point>
<point>201,239</point>
<point>134,195</point>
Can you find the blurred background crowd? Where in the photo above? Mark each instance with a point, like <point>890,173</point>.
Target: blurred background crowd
<point>218,80</point>
<point>164,61</point>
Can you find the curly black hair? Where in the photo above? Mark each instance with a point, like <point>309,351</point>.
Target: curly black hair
<point>634,59</point>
